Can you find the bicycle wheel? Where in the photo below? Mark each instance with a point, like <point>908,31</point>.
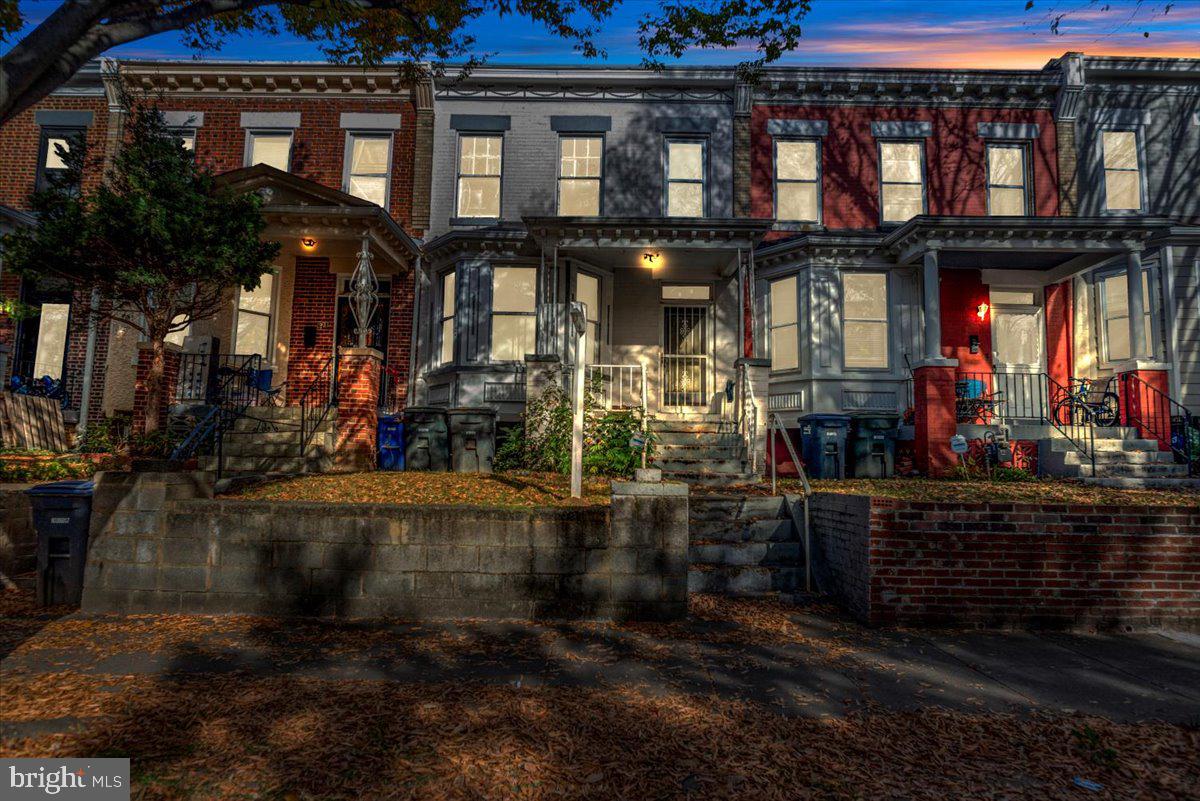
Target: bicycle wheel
<point>1065,412</point>
<point>1107,411</point>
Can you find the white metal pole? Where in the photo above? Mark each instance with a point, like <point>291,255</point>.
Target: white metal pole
<point>577,422</point>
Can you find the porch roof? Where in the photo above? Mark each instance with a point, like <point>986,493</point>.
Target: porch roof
<point>693,233</point>
<point>295,206</point>
<point>1059,244</point>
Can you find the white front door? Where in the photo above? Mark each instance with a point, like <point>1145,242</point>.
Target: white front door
<point>1019,351</point>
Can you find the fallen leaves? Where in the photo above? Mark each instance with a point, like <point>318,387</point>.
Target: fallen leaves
<point>1043,491</point>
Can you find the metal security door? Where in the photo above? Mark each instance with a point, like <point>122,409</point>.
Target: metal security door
<point>685,356</point>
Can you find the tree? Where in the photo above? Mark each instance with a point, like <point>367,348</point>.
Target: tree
<point>368,31</point>
<point>158,237</point>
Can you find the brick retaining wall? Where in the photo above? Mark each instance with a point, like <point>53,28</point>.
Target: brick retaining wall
<point>1009,564</point>
<point>367,560</point>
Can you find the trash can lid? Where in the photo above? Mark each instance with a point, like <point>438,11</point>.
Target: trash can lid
<point>837,419</point>
<point>63,488</point>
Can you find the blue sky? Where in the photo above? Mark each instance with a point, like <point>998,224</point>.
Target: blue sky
<point>932,33</point>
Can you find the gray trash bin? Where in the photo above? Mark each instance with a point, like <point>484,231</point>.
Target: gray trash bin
<point>472,439</point>
<point>62,512</point>
<point>426,439</point>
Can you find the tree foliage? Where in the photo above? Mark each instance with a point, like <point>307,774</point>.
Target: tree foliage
<point>369,32</point>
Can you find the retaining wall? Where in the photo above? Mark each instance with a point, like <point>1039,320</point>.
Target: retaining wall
<point>1009,564</point>
<point>18,540</point>
<point>225,556</point>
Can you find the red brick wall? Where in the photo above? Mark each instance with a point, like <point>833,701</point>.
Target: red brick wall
<point>399,341</point>
<point>955,159</point>
<point>318,146</point>
<point>934,419</point>
<point>10,287</point>
<point>314,302</point>
<point>20,138</point>
<point>1006,564</point>
<point>358,410</point>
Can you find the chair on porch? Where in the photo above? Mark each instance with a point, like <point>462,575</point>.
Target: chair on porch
<point>973,403</point>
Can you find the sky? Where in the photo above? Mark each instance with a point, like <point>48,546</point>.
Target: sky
<point>874,33</point>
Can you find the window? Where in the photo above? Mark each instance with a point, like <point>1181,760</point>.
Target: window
<point>1017,327</point>
<point>56,144</point>
<point>514,320</point>
<point>253,332</point>
<point>273,148</point>
<point>686,292</point>
<point>580,163</point>
<point>798,180</point>
<point>51,340</point>
<point>479,166</point>
<point>447,318</point>
<point>1122,177</point>
<point>902,176</point>
<point>186,137</point>
<point>865,320</point>
<point>368,162</point>
<point>1006,180</point>
<point>178,337</point>
<point>1114,316</point>
<point>785,327</point>
<point>686,167</point>
<point>587,291</point>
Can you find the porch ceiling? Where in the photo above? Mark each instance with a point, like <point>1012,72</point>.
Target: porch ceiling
<point>679,260</point>
<point>640,233</point>
<point>1022,243</point>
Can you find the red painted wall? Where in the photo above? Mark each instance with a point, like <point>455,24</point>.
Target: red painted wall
<point>955,159</point>
<point>1060,357</point>
<point>961,293</point>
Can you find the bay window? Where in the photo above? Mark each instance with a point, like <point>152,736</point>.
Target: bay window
<point>784,325</point>
<point>865,320</point>
<point>514,313</point>
<point>446,320</point>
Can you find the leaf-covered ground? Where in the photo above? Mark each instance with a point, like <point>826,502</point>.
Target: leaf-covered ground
<point>1044,491</point>
<point>516,490</point>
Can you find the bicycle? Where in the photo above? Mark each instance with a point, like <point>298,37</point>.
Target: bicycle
<point>1077,408</point>
<point>44,387</point>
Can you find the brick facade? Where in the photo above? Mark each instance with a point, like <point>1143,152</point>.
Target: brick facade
<point>314,304</point>
<point>1010,564</point>
<point>358,408</point>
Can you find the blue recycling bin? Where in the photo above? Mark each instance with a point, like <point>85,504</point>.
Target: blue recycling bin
<point>823,444</point>
<point>62,512</point>
<point>391,442</point>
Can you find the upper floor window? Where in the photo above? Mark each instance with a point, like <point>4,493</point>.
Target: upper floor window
<point>368,166</point>
<point>1114,316</point>
<point>514,312</point>
<point>446,320</point>
<point>479,167</point>
<point>902,179</point>
<point>273,148</point>
<point>798,180</point>
<point>186,137</point>
<point>587,292</point>
<point>1122,173</point>
<point>1007,180</point>
<point>785,325</point>
<point>687,164</point>
<point>580,164</point>
<point>56,145</point>
<point>254,310</point>
<point>865,320</point>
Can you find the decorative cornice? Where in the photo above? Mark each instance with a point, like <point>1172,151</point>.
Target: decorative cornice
<point>699,232</point>
<point>821,86</point>
<point>288,79</point>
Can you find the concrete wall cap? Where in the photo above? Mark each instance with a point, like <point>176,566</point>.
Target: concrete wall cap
<point>665,490</point>
<point>369,352</point>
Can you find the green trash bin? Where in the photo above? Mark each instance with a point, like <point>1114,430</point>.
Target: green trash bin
<point>426,439</point>
<point>872,445</point>
<point>472,439</point>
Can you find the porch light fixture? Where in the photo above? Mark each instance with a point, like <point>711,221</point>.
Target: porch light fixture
<point>308,243</point>
<point>981,311</point>
<point>652,260</point>
<point>364,293</point>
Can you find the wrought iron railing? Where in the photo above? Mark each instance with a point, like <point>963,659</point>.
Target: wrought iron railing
<point>317,400</point>
<point>1155,413</point>
<point>231,390</point>
<point>221,377</point>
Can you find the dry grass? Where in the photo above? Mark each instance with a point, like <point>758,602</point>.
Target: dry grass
<point>503,490</point>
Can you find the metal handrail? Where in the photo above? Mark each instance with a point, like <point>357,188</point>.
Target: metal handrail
<point>1163,406</point>
<point>1081,435</point>
<point>314,410</point>
<point>775,424</point>
<point>228,403</point>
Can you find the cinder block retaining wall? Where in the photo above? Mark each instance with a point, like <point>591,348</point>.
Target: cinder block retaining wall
<point>224,556</point>
<point>18,540</point>
<point>1006,564</point>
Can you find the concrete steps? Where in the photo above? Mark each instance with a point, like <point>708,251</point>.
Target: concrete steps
<point>743,545</point>
<point>267,441</point>
<point>1121,457</point>
<point>705,452</point>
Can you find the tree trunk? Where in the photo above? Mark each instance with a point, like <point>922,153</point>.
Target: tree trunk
<point>155,399</point>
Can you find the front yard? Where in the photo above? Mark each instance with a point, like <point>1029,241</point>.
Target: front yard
<point>1046,491</point>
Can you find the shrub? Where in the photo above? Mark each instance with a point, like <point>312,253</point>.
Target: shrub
<point>30,470</point>
<point>153,444</point>
<point>98,437</point>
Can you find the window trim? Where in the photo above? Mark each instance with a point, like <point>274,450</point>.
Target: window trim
<point>772,326</point>
<point>924,183</point>
<point>458,175</point>
<point>442,317</point>
<point>559,179</point>
<point>45,134</point>
<point>1026,176</point>
<point>349,154</point>
<point>776,180</point>
<point>1139,149</point>
<point>685,301</point>
<point>272,317</point>
<point>703,141</point>
<point>887,319</point>
<point>493,314</point>
<point>290,133</point>
<point>1150,301</point>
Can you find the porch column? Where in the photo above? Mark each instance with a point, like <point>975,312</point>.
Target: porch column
<point>1137,306</point>
<point>932,306</point>
<point>933,384</point>
<point>358,408</point>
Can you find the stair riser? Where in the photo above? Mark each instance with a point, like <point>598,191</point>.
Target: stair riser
<point>669,438</point>
<point>729,510</point>
<point>688,426</point>
<point>782,554</point>
<point>1110,445</point>
<point>692,452</point>
<point>709,480</point>
<point>757,531</point>
<point>706,467</point>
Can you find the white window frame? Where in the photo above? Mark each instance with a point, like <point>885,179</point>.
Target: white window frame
<point>251,133</point>
<point>773,326</point>
<point>704,168</point>
<point>271,318</point>
<point>458,173</point>
<point>1023,149</point>
<point>923,183</point>
<point>442,317</point>
<point>887,321</point>
<point>351,135</point>
<point>1149,303</point>
<point>599,179</point>
<point>1138,146</point>
<point>816,181</point>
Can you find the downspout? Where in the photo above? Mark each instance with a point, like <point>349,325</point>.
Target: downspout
<point>89,359</point>
<point>415,345</point>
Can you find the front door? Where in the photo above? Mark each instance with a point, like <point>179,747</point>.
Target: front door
<point>1018,351</point>
<point>685,356</point>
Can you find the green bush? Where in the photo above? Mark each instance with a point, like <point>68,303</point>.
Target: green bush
<point>154,445</point>
<point>45,470</point>
<point>98,437</point>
